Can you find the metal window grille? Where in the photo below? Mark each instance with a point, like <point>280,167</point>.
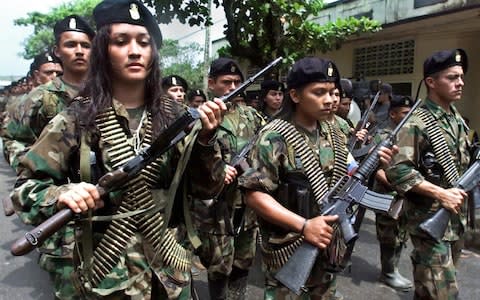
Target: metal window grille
<point>384,59</point>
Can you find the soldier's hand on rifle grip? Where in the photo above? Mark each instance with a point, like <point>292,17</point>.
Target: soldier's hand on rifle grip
<point>362,134</point>
<point>211,116</point>
<point>385,156</point>
<point>80,197</point>
<point>452,199</point>
<point>230,174</point>
<point>318,231</point>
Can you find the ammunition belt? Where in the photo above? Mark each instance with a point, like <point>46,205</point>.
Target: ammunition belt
<point>274,259</point>
<point>310,163</point>
<point>439,146</point>
<point>340,153</point>
<point>137,197</point>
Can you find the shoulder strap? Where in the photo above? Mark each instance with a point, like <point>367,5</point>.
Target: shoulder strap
<point>439,145</point>
<point>86,224</point>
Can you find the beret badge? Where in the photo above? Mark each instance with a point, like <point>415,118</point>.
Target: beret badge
<point>458,57</point>
<point>330,70</point>
<point>72,24</point>
<point>134,13</point>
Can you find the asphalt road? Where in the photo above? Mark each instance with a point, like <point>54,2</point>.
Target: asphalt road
<point>21,278</point>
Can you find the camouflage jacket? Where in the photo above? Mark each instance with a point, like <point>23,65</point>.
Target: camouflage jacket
<point>30,115</point>
<point>343,126</point>
<point>239,125</point>
<point>380,135</point>
<point>52,163</point>
<point>274,163</point>
<point>408,168</point>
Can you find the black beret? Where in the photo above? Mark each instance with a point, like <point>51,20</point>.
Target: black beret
<point>445,59</point>
<point>73,23</point>
<point>312,69</point>
<point>224,66</point>
<point>127,11</point>
<point>43,58</point>
<point>194,93</point>
<point>174,80</point>
<point>271,84</point>
<point>401,101</point>
<point>386,88</point>
<point>347,88</point>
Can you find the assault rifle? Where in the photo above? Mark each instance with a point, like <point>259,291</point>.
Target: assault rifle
<point>353,141</point>
<point>349,191</point>
<point>239,162</point>
<point>116,179</point>
<point>436,225</point>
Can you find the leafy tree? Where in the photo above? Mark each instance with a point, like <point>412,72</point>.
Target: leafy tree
<point>261,30</point>
<point>182,60</point>
<point>42,37</point>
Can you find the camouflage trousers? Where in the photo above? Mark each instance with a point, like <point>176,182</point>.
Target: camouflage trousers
<point>434,268</point>
<point>320,285</point>
<point>138,274</point>
<point>60,270</point>
<point>390,231</point>
<point>219,253</point>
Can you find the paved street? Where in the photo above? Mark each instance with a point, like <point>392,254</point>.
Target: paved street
<point>21,278</point>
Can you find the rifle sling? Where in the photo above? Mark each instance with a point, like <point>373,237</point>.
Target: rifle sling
<point>86,225</point>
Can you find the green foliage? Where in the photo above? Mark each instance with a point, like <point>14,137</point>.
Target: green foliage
<point>262,30</point>
<point>42,37</point>
<point>182,60</point>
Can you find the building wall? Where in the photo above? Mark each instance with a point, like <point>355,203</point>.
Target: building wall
<point>446,31</point>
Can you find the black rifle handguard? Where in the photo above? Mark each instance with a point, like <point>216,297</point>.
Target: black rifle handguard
<point>436,226</point>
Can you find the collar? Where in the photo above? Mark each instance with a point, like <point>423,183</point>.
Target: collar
<point>437,111</point>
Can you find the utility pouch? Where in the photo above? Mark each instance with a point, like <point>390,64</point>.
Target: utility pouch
<point>295,194</point>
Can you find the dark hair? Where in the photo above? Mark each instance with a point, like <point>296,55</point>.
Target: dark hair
<point>288,106</point>
<point>98,85</point>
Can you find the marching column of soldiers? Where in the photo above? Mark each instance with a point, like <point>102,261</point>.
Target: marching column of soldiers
<point>241,179</point>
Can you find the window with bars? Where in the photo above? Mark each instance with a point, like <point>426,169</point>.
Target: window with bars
<point>384,59</point>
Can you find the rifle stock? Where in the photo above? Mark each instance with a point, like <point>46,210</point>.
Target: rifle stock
<point>347,192</point>
<point>116,179</point>
<point>436,226</point>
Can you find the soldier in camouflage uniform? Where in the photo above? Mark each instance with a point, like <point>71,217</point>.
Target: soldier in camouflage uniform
<point>345,102</point>
<point>44,68</point>
<point>227,255</point>
<point>277,186</point>
<point>271,97</point>
<point>196,98</point>
<point>175,87</point>
<point>122,117</point>
<point>418,174</point>
<point>73,41</point>
<point>336,120</point>
<point>391,233</point>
